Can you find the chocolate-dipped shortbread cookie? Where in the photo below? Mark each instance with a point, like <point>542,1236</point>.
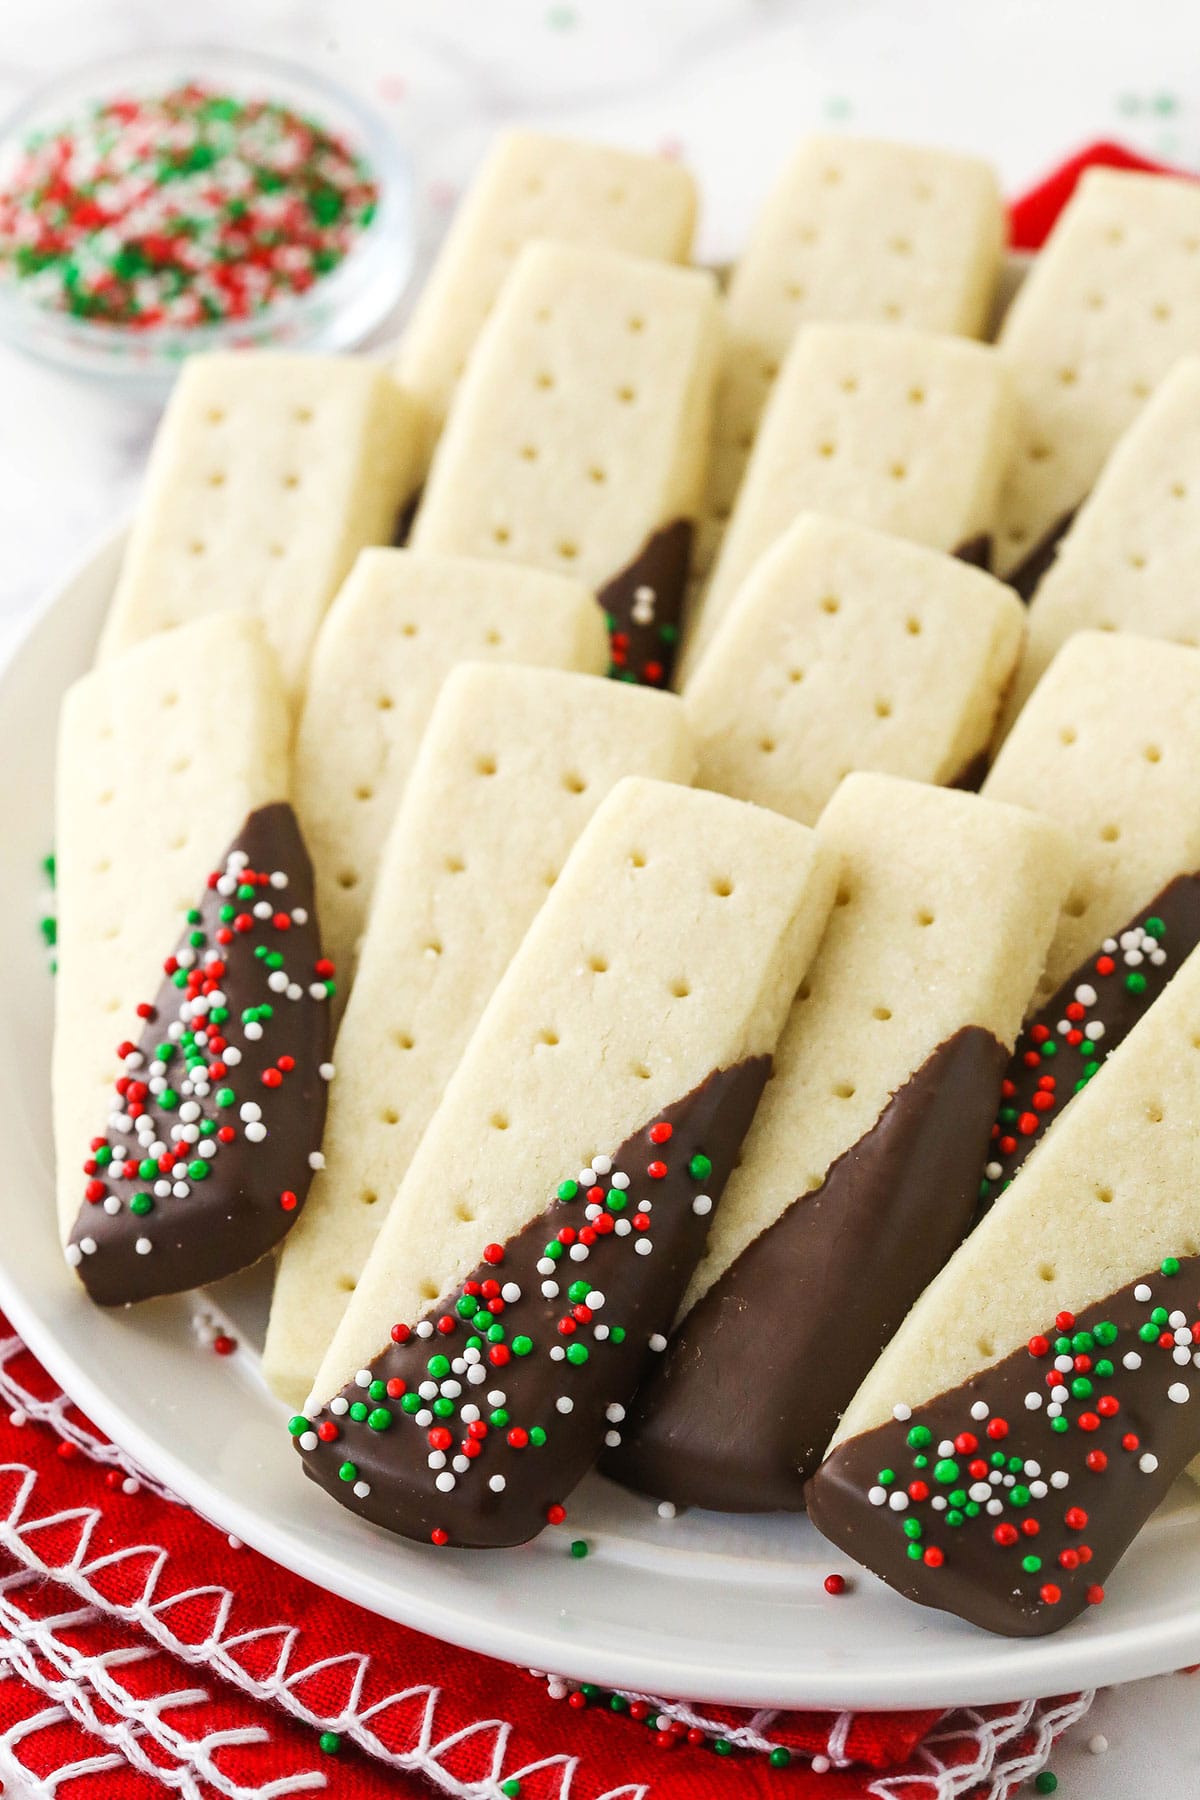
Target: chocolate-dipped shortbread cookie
<point>1109,746</point>
<point>1043,1394</point>
<point>578,436</point>
<point>499,793</point>
<point>860,1175</point>
<point>561,1196</point>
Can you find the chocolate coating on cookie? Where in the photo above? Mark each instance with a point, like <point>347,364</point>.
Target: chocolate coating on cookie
<point>477,1421</point>
<point>220,1106</point>
<point>644,604</point>
<point>1010,1498</point>
<point>738,1414</point>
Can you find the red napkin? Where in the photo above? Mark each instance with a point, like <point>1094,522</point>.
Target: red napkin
<point>140,1648</point>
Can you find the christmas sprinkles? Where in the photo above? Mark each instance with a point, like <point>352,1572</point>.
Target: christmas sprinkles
<point>181,209</point>
<point>189,1116</point>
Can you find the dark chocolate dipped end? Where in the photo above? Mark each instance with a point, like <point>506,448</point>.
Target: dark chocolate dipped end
<point>218,1112</point>
<point>1027,576</point>
<point>1064,1043</point>
<point>643,605</point>
<point>977,551</point>
<point>1010,1499</point>
<point>475,1424</point>
<point>739,1412</point>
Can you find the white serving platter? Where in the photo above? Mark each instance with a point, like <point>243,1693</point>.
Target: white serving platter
<point>705,1606</point>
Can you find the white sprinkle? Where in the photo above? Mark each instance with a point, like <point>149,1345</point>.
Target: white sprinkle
<point>319,991</point>
<point>231,1055</point>
<point>316,1158</point>
<point>130,1485</point>
<point>510,1292</point>
<point>476,1373</point>
<point>557,1353</point>
<point>898,1500</point>
<point>564,1404</point>
<point>1131,1360</point>
<point>277,981</point>
<point>278,878</point>
<point>181,1190</point>
<point>143,1246</point>
<point>666,1509</point>
<point>113,1205</point>
<point>644,1246</point>
<point>600,1332</point>
<point>623,1227</point>
<point>877,1496</point>
<point>452,1389</point>
<point>550,1290</point>
<point>189,1112</point>
<point>1095,1030</point>
<point>497,1484</point>
<point>657,1341</point>
<point>614,1412</point>
<point>1098,1744</point>
<point>820,1765</point>
<point>461,1464</point>
<point>424,1417</point>
<point>1085,994</point>
<point>1148,1463</point>
<point>619,1180</point>
<point>546,1265</point>
<point>946,1447</point>
<point>1143,1291</point>
<point>253,1030</point>
<point>468,1414</point>
<point>594,1299</point>
<point>263,909</point>
<point>256,1131</point>
<point>249,1109</point>
<point>702,1205</point>
<point>1038,1489</point>
<point>980,1409</point>
<point>1108,946</point>
<point>646,1206</point>
<point>73,1255</point>
<point>612,1439</point>
<point>496,1397</point>
<point>295,992</point>
<point>1064,1364</point>
<point>592,1213</point>
<point>579,1252</point>
<point>445,1483</point>
<point>364,1378</point>
<point>587,1178</point>
<point>428,1390</point>
<point>602,1164</point>
<point>1179,1392</point>
<point>994,1171</point>
<point>1158,958</point>
<point>339,1405</point>
<point>1031,1467</point>
<point>309,1440</point>
<point>1033,1401</point>
<point>423,1328</point>
<point>299,915</point>
<point>18,1417</point>
<point>979,1491</point>
<point>995,1507</point>
<point>1060,1479</point>
<point>1181,1356</point>
<point>361,1489</point>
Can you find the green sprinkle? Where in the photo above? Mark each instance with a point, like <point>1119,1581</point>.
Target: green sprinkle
<point>439,1367</point>
<point>1170,1265</point>
<point>443,1408</point>
<point>348,1472</point>
<point>379,1419</point>
<point>1148,1333</point>
<point>141,1204</point>
<point>510,1788</point>
<point>225,1096</point>
<point>495,1332</point>
<point>147,1169</point>
<point>579,1549</point>
<point>48,925</point>
<point>330,1742</point>
<point>50,869</point>
<point>780,1757</point>
<point>920,1437</point>
<point>955,1516</point>
<point>700,1167</point>
<point>1103,1368</point>
<point>913,1528</point>
<point>914,1552</point>
<point>1135,982</point>
<point>464,1306</point>
<point>1019,1496</point>
<point>1060,1425</point>
<point>499,1418</point>
<point>358,1412</point>
<point>568,1190</point>
<point>578,1290</point>
<point>1105,1333</point>
<point>298,1425</point>
<point>722,1746</point>
<point>377,1390</point>
<point>521,1346</point>
<point>1081,1388</point>
<point>1046,1783</point>
<point>616,1201</point>
<point>103,1156</point>
<point>945,1471</point>
<point>1154,928</point>
<point>411,1403</point>
<point>1031,1564</point>
<point>553,1250</point>
<point>617,1334</point>
<point>537,1436</point>
<point>886,1477</point>
<point>577,1353</point>
<point>168,1100</point>
<point>198,1170</point>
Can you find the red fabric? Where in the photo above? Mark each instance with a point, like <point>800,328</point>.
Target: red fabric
<point>134,1639</point>
<point>1032,216</point>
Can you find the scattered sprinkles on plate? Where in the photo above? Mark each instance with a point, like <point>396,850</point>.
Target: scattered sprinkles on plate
<point>183,209</point>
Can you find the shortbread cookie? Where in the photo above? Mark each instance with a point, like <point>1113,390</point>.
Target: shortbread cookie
<point>268,475</point>
<point>860,1175</point>
<point>215,1125</point>
<point>1042,1396</point>
<point>892,428</point>
<point>578,437</point>
<point>1128,562</point>
<point>533,186</point>
<point>145,772</point>
<point>561,1196</point>
<point>399,624</point>
<point>498,795</point>
<point>1109,305</point>
<point>858,229</point>
<point>1109,745</point>
<point>848,649</point>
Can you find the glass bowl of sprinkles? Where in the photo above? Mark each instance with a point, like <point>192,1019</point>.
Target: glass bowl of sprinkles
<point>170,201</point>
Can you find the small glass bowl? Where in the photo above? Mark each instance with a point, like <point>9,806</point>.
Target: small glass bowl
<point>338,310</point>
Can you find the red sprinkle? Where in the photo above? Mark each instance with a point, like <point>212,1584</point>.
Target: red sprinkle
<point>835,1584</point>
<point>224,1346</point>
<point>555,1514</point>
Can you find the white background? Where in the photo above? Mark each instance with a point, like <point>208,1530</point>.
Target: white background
<point>729,85</point>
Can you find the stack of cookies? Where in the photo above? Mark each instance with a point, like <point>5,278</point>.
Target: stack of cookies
<point>671,908</point>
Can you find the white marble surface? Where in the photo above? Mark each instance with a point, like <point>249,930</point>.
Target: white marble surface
<point>728,84</point>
